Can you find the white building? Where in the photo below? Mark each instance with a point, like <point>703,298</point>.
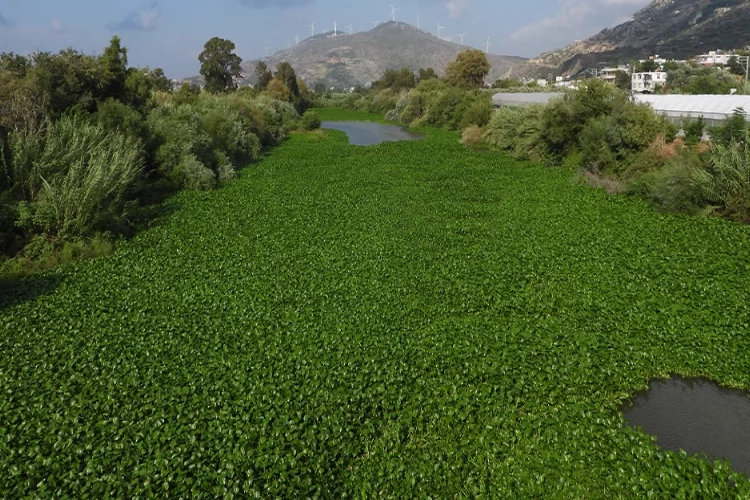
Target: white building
<point>646,82</point>
<point>610,74</point>
<point>713,58</point>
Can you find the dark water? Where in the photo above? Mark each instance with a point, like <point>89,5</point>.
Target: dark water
<point>368,134</point>
<point>697,416</point>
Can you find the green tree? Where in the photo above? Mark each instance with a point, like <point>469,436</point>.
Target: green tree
<point>648,66</point>
<point>427,74</point>
<point>160,81</point>
<point>285,74</point>
<point>114,64</point>
<point>264,76</point>
<point>622,80</point>
<point>14,63</point>
<point>506,83</point>
<point>469,69</point>
<point>396,80</point>
<point>319,88</point>
<point>735,67</point>
<point>219,65</point>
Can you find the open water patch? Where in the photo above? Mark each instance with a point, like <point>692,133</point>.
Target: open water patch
<point>369,134</point>
<point>697,416</point>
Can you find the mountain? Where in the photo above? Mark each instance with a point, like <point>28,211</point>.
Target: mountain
<point>671,28</point>
<point>349,60</point>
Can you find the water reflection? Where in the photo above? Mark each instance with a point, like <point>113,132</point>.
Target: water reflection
<point>368,134</point>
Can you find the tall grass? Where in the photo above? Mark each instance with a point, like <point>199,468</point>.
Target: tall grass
<point>74,175</point>
<point>725,180</point>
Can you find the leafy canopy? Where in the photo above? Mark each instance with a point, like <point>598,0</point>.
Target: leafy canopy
<point>219,65</point>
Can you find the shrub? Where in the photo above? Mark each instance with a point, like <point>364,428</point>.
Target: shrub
<point>693,129</point>
<point>310,120</point>
<point>78,179</point>
<point>476,110</point>
<point>472,136</point>
<point>518,131</point>
<point>725,180</point>
<point>118,117</point>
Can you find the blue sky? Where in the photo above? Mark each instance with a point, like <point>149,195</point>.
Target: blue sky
<point>171,33</point>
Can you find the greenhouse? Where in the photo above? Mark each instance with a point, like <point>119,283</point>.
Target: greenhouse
<point>713,108</point>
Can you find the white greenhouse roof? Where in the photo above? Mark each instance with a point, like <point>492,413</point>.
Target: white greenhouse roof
<point>710,107</point>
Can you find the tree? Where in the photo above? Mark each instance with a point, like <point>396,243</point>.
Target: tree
<point>469,69</point>
<point>735,67</point>
<point>278,90</point>
<point>219,65</point>
<point>114,62</point>
<point>396,80</point>
<point>427,74</point>
<point>648,66</point>
<point>285,74</point>
<point>623,80</point>
<point>319,88</point>
<point>160,81</point>
<point>264,76</point>
<point>506,83</point>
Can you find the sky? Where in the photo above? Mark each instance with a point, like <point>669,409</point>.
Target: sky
<point>171,33</point>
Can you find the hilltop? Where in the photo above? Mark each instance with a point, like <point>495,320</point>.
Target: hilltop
<point>349,60</point>
<point>671,28</point>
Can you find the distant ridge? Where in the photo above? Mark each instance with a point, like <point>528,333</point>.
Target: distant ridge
<point>671,28</point>
<point>360,58</point>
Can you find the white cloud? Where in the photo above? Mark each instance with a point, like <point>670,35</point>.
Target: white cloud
<point>456,7</point>
<point>144,19</point>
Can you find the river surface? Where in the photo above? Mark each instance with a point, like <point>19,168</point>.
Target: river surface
<point>697,416</point>
<point>368,134</point>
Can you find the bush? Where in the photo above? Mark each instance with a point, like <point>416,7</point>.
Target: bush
<point>693,129</point>
<point>517,131</point>
<point>472,136</point>
<point>725,180</point>
<point>118,117</point>
<point>78,179</point>
<point>310,120</point>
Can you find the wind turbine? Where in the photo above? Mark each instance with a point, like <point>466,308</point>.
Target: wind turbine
<point>266,50</point>
<point>462,37</point>
<point>334,28</point>
<point>296,40</point>
<point>439,28</point>
<point>393,12</point>
<point>375,23</point>
<point>312,28</point>
<point>488,45</point>
<point>351,29</point>
<point>418,21</point>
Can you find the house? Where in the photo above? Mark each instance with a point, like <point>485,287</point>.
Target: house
<point>610,74</point>
<point>714,57</point>
<point>646,82</point>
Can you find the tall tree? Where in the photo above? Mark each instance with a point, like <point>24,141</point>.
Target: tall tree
<point>264,76</point>
<point>114,63</point>
<point>285,73</point>
<point>468,70</point>
<point>219,65</point>
<point>427,74</point>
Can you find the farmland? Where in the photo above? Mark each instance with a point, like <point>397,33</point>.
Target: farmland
<point>404,320</point>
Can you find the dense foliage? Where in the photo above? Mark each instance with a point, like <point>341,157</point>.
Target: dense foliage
<point>86,143</point>
<point>625,147</point>
<point>405,320</point>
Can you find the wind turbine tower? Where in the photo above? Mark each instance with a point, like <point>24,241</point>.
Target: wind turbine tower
<point>439,28</point>
<point>296,40</point>
<point>487,45</point>
<point>351,28</point>
<point>312,28</point>
<point>462,37</point>
<point>266,50</point>
<point>393,12</point>
<point>418,27</point>
<point>334,28</point>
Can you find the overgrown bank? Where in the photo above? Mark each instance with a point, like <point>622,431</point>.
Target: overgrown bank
<point>88,144</point>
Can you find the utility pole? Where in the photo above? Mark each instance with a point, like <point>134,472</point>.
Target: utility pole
<point>746,61</point>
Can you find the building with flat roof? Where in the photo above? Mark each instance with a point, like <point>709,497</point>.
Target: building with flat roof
<point>645,82</point>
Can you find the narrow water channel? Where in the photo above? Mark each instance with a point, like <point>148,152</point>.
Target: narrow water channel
<point>369,134</point>
<point>698,416</point>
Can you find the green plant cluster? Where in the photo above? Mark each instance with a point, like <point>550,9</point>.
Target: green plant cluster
<point>407,320</point>
<point>626,147</point>
<point>87,142</point>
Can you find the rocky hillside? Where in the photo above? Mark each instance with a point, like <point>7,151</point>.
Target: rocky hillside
<point>670,28</point>
<point>358,59</point>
